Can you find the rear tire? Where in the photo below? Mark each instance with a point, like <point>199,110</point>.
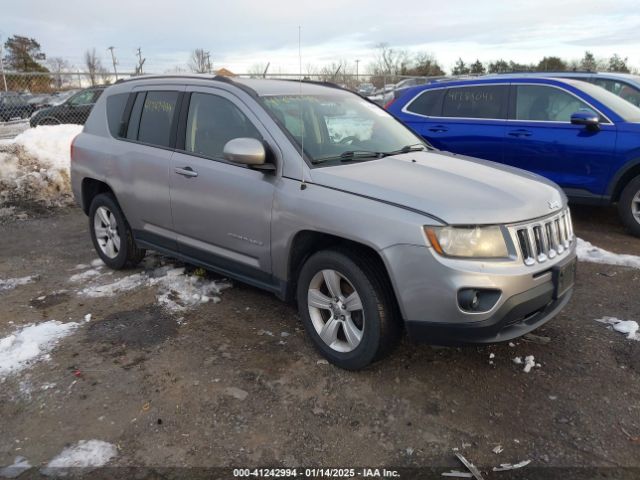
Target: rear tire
<point>347,308</point>
<point>629,206</point>
<point>111,235</point>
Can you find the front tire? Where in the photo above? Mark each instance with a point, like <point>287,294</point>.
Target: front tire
<point>347,308</point>
<point>111,235</point>
<point>629,206</point>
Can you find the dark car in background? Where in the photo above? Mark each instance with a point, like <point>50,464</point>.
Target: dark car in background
<point>14,106</point>
<point>577,134</point>
<point>74,110</point>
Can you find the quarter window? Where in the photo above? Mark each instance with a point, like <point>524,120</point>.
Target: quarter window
<point>213,121</point>
<point>541,103</point>
<point>482,101</point>
<point>115,110</point>
<point>157,117</point>
<point>428,103</point>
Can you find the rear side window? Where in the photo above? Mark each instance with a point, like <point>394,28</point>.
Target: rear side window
<point>213,121</point>
<point>428,103</point>
<point>482,101</point>
<point>88,97</point>
<point>547,104</point>
<point>115,111</point>
<point>156,118</point>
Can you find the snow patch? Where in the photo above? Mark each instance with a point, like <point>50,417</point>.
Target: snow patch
<point>529,363</point>
<point>628,327</point>
<point>30,344</point>
<point>81,277</point>
<point>590,253</point>
<point>19,466</point>
<point>84,454</point>
<point>34,167</point>
<point>177,290</point>
<point>11,283</point>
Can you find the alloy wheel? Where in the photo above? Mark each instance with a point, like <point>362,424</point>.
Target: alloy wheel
<point>336,310</point>
<point>106,230</point>
<point>635,206</point>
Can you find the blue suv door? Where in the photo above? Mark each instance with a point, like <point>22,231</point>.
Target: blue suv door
<point>541,138</point>
<point>466,119</point>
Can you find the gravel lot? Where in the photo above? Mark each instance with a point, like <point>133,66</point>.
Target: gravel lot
<point>236,383</point>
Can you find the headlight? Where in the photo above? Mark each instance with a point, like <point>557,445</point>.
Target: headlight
<point>480,242</point>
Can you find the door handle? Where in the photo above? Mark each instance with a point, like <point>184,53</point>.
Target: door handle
<point>520,133</point>
<point>439,128</point>
<point>186,171</point>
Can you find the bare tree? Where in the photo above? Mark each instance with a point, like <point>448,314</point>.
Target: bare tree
<point>93,65</point>
<point>336,72</point>
<point>257,70</point>
<point>200,61</point>
<point>57,65</point>
<point>389,61</point>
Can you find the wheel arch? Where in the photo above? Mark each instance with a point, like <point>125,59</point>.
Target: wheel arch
<point>307,242</point>
<point>630,171</point>
<point>90,189</point>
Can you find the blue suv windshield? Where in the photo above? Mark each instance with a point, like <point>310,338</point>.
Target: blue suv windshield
<point>627,111</point>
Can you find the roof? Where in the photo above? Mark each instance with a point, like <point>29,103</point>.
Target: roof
<point>259,86</point>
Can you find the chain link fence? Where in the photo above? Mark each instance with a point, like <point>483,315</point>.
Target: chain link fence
<point>32,99</point>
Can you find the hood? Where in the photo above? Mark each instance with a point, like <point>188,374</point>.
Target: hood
<point>456,189</point>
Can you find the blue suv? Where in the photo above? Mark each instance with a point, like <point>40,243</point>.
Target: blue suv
<point>575,133</point>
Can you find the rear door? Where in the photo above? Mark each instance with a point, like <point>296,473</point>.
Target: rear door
<point>540,138</point>
<point>221,210</point>
<point>145,160</point>
<point>467,119</point>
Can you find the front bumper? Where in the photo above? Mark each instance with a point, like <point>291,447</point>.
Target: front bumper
<point>426,287</point>
<point>519,315</point>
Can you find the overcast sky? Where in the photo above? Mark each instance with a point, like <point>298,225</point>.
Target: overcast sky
<point>240,33</point>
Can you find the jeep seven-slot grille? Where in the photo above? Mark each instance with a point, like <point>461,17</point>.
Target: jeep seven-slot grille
<point>545,239</point>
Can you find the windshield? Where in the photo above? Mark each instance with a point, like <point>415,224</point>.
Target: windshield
<point>341,127</point>
<point>627,111</point>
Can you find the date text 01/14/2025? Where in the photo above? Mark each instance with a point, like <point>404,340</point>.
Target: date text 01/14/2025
<point>315,473</point>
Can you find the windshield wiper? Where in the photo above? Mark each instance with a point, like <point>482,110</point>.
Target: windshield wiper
<point>351,156</point>
<point>416,147</point>
<point>357,155</point>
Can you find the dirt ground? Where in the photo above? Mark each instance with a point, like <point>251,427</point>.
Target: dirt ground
<point>237,383</point>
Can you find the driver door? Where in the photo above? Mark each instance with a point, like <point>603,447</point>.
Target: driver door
<point>221,211</point>
<point>541,138</point>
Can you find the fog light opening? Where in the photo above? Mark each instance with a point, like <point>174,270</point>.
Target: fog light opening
<point>477,300</point>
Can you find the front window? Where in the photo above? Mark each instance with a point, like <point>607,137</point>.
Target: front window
<point>339,127</point>
<point>547,104</point>
<point>213,121</point>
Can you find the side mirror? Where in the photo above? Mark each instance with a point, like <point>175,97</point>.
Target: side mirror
<point>247,151</point>
<point>587,119</point>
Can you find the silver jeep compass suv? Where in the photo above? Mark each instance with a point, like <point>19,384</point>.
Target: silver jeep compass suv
<point>320,196</point>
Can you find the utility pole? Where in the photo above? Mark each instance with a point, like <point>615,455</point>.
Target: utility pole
<point>357,76</point>
<point>208,64</point>
<point>113,60</point>
<point>140,62</point>
<point>264,74</point>
<point>4,79</point>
